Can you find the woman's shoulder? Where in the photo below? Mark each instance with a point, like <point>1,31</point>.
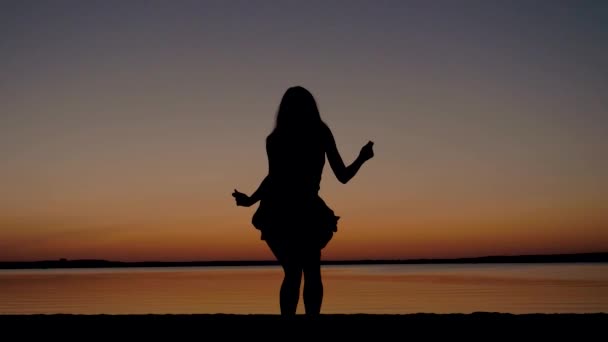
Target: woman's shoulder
<point>271,138</point>
<point>326,134</point>
<point>273,141</point>
<point>325,129</point>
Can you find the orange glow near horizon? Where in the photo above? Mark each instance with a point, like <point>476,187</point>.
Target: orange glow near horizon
<point>359,237</point>
<point>200,222</point>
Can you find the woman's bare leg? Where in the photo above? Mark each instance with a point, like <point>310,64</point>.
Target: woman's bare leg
<point>292,276</point>
<point>313,285</point>
<point>290,288</point>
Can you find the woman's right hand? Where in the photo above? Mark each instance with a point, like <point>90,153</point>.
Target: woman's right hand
<point>242,199</point>
<point>367,151</point>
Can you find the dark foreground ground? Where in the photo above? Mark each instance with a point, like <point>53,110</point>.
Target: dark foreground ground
<point>480,326</point>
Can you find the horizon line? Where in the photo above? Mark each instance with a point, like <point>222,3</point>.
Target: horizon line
<point>523,258</point>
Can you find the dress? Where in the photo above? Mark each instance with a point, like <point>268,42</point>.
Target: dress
<point>310,222</point>
<point>291,210</point>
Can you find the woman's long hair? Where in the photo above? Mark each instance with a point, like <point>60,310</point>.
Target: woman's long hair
<point>298,114</point>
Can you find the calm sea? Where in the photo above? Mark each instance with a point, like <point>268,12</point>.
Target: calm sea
<point>378,289</point>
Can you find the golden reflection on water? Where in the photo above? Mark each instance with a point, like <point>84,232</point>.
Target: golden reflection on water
<point>395,289</point>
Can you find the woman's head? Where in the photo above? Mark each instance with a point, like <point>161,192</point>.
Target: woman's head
<point>298,109</point>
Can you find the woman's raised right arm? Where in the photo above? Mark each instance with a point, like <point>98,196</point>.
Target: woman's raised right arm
<point>346,173</point>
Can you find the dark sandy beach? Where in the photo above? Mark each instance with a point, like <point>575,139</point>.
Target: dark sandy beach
<point>486,326</point>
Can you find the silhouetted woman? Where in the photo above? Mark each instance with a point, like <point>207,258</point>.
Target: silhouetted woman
<point>295,222</point>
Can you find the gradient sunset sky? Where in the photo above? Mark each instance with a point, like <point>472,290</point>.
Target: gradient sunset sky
<point>126,125</point>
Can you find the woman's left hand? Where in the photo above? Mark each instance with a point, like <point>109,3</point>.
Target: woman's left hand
<point>242,199</point>
<point>367,151</point>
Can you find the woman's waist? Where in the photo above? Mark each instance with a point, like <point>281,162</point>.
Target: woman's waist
<point>292,195</point>
<point>296,187</point>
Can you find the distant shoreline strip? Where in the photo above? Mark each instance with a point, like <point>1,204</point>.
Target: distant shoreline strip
<point>64,263</point>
